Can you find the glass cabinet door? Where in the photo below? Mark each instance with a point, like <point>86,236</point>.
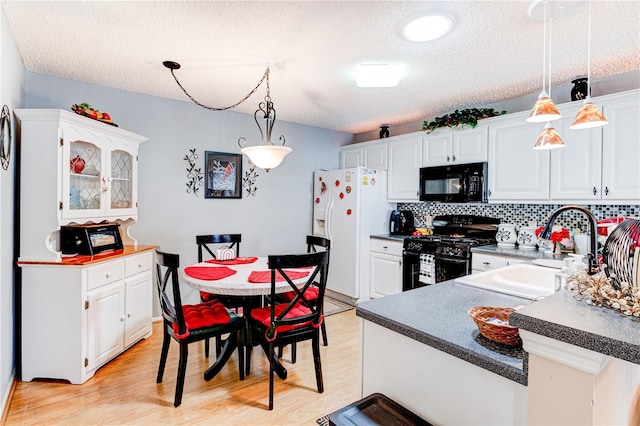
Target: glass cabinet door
<point>84,179</point>
<point>121,180</point>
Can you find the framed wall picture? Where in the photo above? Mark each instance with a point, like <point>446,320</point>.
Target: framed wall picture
<point>223,178</point>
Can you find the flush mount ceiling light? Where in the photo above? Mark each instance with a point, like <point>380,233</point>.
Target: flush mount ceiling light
<point>589,115</point>
<point>428,28</point>
<point>379,75</point>
<point>265,155</point>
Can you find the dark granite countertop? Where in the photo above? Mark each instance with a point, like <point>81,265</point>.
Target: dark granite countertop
<point>437,316</point>
<point>563,317</point>
<point>516,252</point>
<point>390,237</point>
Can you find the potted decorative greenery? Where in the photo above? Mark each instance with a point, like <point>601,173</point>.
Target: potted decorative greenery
<point>469,117</point>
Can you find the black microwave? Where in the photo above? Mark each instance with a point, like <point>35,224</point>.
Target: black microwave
<point>461,183</point>
<point>90,239</point>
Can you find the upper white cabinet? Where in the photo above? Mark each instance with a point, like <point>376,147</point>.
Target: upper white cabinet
<point>576,169</point>
<point>621,147</point>
<point>444,147</point>
<point>599,164</point>
<point>516,170</point>
<point>73,170</point>
<point>372,155</point>
<point>405,160</point>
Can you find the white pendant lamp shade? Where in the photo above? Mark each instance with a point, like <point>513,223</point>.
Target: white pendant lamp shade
<point>589,116</point>
<point>549,139</point>
<point>543,110</point>
<point>266,157</point>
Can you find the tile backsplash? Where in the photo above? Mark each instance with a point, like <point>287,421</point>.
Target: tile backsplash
<point>521,214</point>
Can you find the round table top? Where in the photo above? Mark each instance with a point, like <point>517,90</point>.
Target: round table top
<point>238,284</point>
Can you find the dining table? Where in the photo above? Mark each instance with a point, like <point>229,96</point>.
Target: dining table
<point>248,278</point>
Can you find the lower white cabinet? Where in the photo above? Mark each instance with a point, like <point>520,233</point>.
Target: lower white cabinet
<point>386,267</point>
<point>486,262</point>
<point>76,318</point>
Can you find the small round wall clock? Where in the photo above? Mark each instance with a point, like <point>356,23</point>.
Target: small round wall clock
<point>5,137</point>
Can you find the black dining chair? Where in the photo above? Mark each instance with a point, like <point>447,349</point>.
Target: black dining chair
<point>207,245</point>
<point>314,244</point>
<point>281,324</point>
<point>191,323</point>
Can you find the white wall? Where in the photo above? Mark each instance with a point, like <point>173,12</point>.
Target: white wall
<point>12,95</point>
<point>276,220</point>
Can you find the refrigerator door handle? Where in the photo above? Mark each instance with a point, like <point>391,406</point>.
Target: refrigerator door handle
<point>327,218</point>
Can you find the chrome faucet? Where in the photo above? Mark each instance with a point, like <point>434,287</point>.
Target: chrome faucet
<point>593,264</point>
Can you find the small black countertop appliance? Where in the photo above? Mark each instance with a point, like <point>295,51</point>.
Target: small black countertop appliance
<point>401,222</point>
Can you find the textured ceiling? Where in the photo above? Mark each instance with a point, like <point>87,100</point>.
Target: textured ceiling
<point>493,53</point>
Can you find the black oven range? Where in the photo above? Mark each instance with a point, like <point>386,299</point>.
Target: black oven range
<point>446,254</point>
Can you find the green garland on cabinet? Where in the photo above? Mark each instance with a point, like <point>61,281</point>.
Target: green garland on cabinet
<point>468,117</point>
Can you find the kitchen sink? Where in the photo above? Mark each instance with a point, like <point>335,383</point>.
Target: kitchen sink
<point>522,280</point>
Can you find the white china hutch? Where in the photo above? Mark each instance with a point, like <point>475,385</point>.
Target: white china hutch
<point>77,312</point>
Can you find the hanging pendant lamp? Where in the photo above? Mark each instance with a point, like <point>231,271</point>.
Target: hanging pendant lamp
<point>544,109</point>
<point>589,115</point>
<point>266,155</point>
<point>549,139</point>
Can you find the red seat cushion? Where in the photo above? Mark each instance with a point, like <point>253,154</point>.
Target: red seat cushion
<point>310,293</point>
<point>263,316</point>
<point>203,315</point>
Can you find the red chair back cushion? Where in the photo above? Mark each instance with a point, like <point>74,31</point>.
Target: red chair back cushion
<point>310,293</point>
<point>203,315</point>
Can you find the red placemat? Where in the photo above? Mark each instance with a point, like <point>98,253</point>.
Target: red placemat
<point>265,276</point>
<point>208,272</point>
<point>236,261</point>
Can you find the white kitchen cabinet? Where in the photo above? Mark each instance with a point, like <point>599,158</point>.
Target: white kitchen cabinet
<point>481,262</point>
<point>576,169</point>
<point>351,157</point>
<point>372,155</point>
<point>446,147</point>
<point>385,267</point>
<point>74,170</point>
<point>405,160</point>
<point>600,163</point>
<point>621,147</point>
<point>75,318</point>
<point>517,172</point>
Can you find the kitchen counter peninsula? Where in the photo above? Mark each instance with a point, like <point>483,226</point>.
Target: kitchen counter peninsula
<point>423,350</point>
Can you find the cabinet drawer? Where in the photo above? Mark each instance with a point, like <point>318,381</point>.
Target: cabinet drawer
<point>483,262</point>
<point>137,263</point>
<point>104,273</point>
<point>393,248</point>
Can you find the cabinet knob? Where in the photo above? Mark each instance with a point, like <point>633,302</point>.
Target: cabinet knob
<point>606,190</point>
<point>122,318</point>
<point>128,314</point>
<point>448,158</point>
<point>489,192</point>
<point>139,265</point>
<point>454,158</point>
<point>107,275</point>
<point>595,191</point>
<point>384,247</point>
<point>486,263</point>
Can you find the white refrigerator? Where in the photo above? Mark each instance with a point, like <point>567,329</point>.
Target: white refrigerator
<point>349,206</point>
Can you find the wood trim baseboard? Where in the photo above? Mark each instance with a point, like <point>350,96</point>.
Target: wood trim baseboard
<point>5,410</point>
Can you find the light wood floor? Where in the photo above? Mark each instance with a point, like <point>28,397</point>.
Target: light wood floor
<point>125,390</point>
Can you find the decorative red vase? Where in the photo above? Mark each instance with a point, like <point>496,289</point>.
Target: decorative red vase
<point>77,164</point>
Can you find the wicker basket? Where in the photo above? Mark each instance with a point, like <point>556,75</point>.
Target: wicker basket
<point>501,333</point>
